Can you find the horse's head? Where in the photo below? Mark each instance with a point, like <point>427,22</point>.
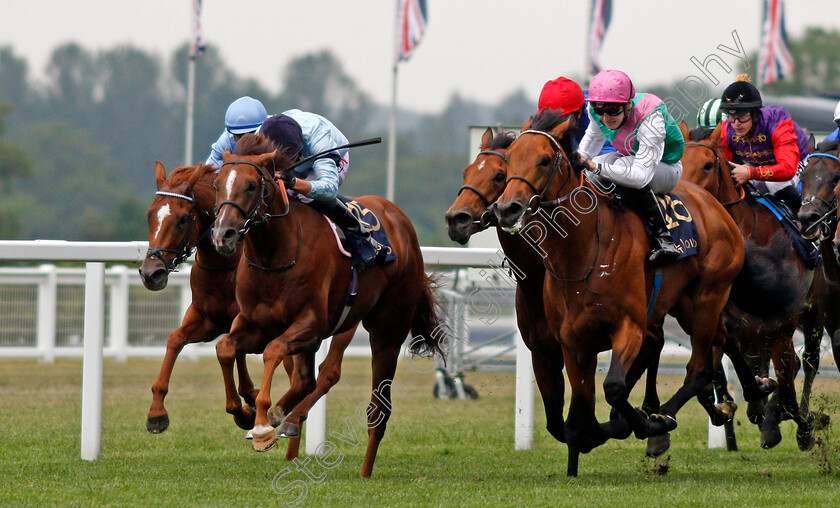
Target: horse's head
<point>245,189</point>
<point>819,179</point>
<point>538,167</point>
<point>484,181</point>
<point>172,224</point>
<point>701,160</point>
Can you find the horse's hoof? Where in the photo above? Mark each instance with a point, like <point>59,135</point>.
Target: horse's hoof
<point>770,438</point>
<point>288,430</point>
<point>766,385</point>
<point>805,438</point>
<point>263,441</point>
<point>724,412</point>
<point>276,416</point>
<point>661,424</point>
<point>245,420</point>
<point>249,435</point>
<point>157,424</point>
<point>657,445</point>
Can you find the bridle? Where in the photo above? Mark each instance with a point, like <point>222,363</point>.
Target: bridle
<point>487,218</point>
<point>251,218</point>
<point>828,220</point>
<point>184,250</point>
<point>536,201</point>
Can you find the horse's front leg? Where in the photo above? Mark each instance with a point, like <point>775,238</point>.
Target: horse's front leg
<point>301,337</point>
<point>194,328</point>
<point>226,353</point>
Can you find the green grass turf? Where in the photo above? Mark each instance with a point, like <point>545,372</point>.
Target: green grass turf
<point>435,453</point>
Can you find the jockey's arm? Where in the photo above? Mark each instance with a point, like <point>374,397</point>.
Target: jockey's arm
<point>786,152</point>
<point>225,142</point>
<point>324,184</point>
<point>592,142</point>
<point>638,173</point>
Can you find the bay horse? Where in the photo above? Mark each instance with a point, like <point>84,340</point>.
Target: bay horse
<point>598,286</point>
<point>484,181</point>
<point>763,322</point>
<point>180,219</point>
<point>292,288</point>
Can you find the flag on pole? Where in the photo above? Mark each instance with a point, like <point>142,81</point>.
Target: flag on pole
<point>411,25</point>
<point>197,46</point>
<point>774,59</point>
<point>601,14</point>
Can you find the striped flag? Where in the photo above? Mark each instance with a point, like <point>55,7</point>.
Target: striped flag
<point>197,46</point>
<point>411,25</point>
<point>774,59</point>
<point>601,13</point>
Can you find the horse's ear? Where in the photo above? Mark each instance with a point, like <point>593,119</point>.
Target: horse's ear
<point>227,156</point>
<point>561,129</point>
<point>716,135</point>
<point>264,159</point>
<point>812,144</point>
<point>685,131</point>
<point>160,174</point>
<point>196,174</point>
<point>527,124</point>
<point>486,138</point>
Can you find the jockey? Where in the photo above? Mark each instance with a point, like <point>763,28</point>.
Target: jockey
<point>835,134</point>
<point>649,146</point>
<point>302,134</point>
<point>764,143</point>
<point>565,95</point>
<point>710,115</point>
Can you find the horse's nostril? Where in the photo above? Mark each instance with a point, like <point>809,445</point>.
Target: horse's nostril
<point>229,235</point>
<point>460,220</point>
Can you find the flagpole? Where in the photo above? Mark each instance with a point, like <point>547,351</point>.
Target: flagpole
<point>188,145</point>
<point>392,124</point>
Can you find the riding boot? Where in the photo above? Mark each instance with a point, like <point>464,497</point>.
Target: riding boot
<point>644,202</point>
<point>790,197</point>
<point>341,215</point>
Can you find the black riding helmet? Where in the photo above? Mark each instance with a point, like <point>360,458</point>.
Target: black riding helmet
<point>285,132</point>
<point>741,96</point>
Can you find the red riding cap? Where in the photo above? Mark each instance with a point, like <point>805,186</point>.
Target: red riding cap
<point>561,93</point>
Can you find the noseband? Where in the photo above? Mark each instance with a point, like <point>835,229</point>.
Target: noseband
<point>183,251</point>
<point>537,199</point>
<point>251,218</point>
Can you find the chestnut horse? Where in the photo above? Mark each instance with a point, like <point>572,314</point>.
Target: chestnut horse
<point>293,288</point>
<point>180,219</point>
<point>598,286</point>
<point>484,181</point>
<point>763,322</point>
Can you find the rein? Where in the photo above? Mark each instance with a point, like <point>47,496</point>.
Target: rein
<point>827,221</point>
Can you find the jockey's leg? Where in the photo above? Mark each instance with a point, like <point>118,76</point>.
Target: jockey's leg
<point>644,202</point>
<point>790,197</point>
<point>340,214</point>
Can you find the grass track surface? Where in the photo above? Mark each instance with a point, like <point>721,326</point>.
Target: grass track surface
<point>435,453</point>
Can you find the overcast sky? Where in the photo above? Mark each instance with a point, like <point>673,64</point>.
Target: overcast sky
<point>484,49</point>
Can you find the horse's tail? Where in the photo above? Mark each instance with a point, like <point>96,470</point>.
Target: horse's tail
<point>428,329</point>
<point>767,286</point>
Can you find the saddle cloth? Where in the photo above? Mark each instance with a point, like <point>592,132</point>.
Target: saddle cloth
<point>680,224</point>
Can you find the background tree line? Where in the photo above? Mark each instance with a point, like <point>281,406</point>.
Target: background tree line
<point>77,150</point>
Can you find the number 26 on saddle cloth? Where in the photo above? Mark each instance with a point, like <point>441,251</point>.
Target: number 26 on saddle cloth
<point>357,248</point>
<point>680,224</point>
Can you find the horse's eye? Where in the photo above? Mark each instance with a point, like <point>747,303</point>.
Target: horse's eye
<point>835,179</point>
<point>499,178</point>
<point>545,160</point>
<point>252,186</point>
<point>183,221</point>
<point>709,166</point>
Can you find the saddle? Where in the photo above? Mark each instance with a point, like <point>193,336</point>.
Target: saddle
<point>808,251</point>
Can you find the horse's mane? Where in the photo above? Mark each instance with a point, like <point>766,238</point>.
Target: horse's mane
<point>700,133</point>
<point>548,119</point>
<point>502,140</point>
<point>828,145</point>
<point>182,174</point>
<point>257,144</point>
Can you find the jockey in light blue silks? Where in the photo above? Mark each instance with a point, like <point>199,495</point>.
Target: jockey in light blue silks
<point>649,147</point>
<point>302,134</point>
